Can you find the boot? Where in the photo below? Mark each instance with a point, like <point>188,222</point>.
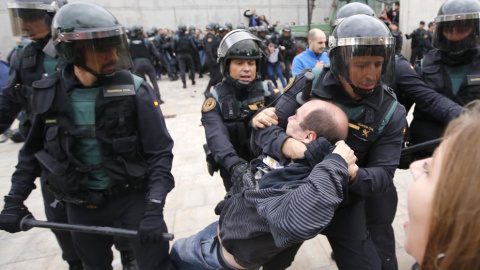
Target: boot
<point>184,85</point>
<point>193,82</point>
<point>128,260</point>
<point>75,265</point>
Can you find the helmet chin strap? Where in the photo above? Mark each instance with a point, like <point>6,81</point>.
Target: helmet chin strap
<point>363,93</point>
<point>243,85</point>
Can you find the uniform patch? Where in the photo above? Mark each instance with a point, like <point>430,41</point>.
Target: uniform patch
<point>209,104</point>
<point>209,39</point>
<point>290,83</point>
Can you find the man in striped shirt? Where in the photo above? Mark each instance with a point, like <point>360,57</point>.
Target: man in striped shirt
<point>291,205</point>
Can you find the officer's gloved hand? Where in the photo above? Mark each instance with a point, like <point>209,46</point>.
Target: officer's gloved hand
<point>237,171</point>
<point>317,150</point>
<point>152,225</point>
<point>12,214</point>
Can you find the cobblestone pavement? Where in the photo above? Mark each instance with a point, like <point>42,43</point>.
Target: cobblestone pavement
<point>189,206</point>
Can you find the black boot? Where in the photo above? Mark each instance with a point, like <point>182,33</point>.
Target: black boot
<point>184,85</point>
<point>75,265</point>
<point>128,260</point>
<point>193,82</point>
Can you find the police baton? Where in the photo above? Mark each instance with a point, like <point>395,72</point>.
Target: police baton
<point>421,146</point>
<point>29,222</point>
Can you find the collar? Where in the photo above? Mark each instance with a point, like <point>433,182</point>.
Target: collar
<point>70,80</point>
<point>333,90</point>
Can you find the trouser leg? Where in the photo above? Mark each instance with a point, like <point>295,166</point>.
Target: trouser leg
<point>349,239</point>
<point>150,70</point>
<point>59,214</point>
<point>380,213</point>
<point>182,65</point>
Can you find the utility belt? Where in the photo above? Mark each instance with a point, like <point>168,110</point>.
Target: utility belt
<point>93,199</point>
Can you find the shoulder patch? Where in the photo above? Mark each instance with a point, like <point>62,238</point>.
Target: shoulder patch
<point>209,39</point>
<point>209,104</point>
<point>290,83</point>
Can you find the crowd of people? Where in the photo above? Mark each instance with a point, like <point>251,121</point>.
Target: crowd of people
<point>316,158</point>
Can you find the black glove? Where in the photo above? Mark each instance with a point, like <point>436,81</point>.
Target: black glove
<point>237,171</point>
<point>317,150</point>
<point>152,225</point>
<point>12,214</point>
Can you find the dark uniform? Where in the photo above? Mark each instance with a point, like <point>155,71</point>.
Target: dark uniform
<point>452,69</point>
<point>398,35</point>
<point>376,129</point>
<point>228,109</point>
<point>184,49</point>
<point>29,64</point>
<point>142,50</point>
<point>94,146</point>
<point>211,46</point>
<point>196,56</point>
<point>159,43</point>
<point>417,45</point>
<point>288,54</point>
<point>226,115</point>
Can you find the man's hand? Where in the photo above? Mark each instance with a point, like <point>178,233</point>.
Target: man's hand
<point>282,48</point>
<point>12,214</point>
<point>265,118</point>
<point>317,150</point>
<point>349,156</point>
<point>152,225</point>
<point>237,171</point>
<point>319,64</point>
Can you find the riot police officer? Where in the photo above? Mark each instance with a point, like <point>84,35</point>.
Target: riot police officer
<point>262,35</point>
<point>199,49</point>
<point>375,134</point>
<point>211,46</point>
<point>272,34</point>
<point>452,68</point>
<point>28,64</point>
<point>228,109</point>
<point>184,49</point>
<point>142,50</point>
<point>288,48</point>
<point>105,153</point>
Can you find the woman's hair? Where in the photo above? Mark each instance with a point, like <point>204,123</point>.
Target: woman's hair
<point>454,238</point>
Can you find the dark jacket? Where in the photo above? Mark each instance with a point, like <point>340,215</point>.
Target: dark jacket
<point>132,146</point>
<point>382,155</point>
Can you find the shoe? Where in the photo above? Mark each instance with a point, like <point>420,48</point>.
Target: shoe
<point>75,265</point>
<point>3,138</point>
<point>200,76</point>
<point>128,260</point>
<point>184,85</point>
<point>193,82</point>
<point>160,101</point>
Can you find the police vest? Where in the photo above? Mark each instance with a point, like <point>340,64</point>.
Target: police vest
<point>237,114</point>
<point>436,78</point>
<point>115,131</point>
<point>183,44</point>
<point>139,48</point>
<point>361,134</point>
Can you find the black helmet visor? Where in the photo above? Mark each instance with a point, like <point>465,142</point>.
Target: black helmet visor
<point>456,33</point>
<point>22,13</point>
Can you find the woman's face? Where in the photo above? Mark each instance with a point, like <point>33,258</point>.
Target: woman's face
<point>425,173</point>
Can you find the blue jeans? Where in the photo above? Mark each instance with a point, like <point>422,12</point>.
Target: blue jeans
<point>275,68</point>
<point>194,252</point>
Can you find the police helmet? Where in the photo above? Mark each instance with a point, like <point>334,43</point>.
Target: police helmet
<point>212,26</point>
<point>191,29</point>
<point>261,29</point>
<point>271,28</point>
<point>362,52</point>
<point>88,35</point>
<point>222,28</point>
<point>137,30</point>
<point>21,11</point>
<point>457,26</point>
<point>251,29</point>
<point>286,28</point>
<point>182,28</point>
<point>229,26</point>
<point>154,29</point>
<point>150,33</point>
<point>241,26</point>
<point>352,9</point>
<point>238,44</point>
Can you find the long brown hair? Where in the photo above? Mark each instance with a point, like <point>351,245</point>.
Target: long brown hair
<point>454,237</point>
